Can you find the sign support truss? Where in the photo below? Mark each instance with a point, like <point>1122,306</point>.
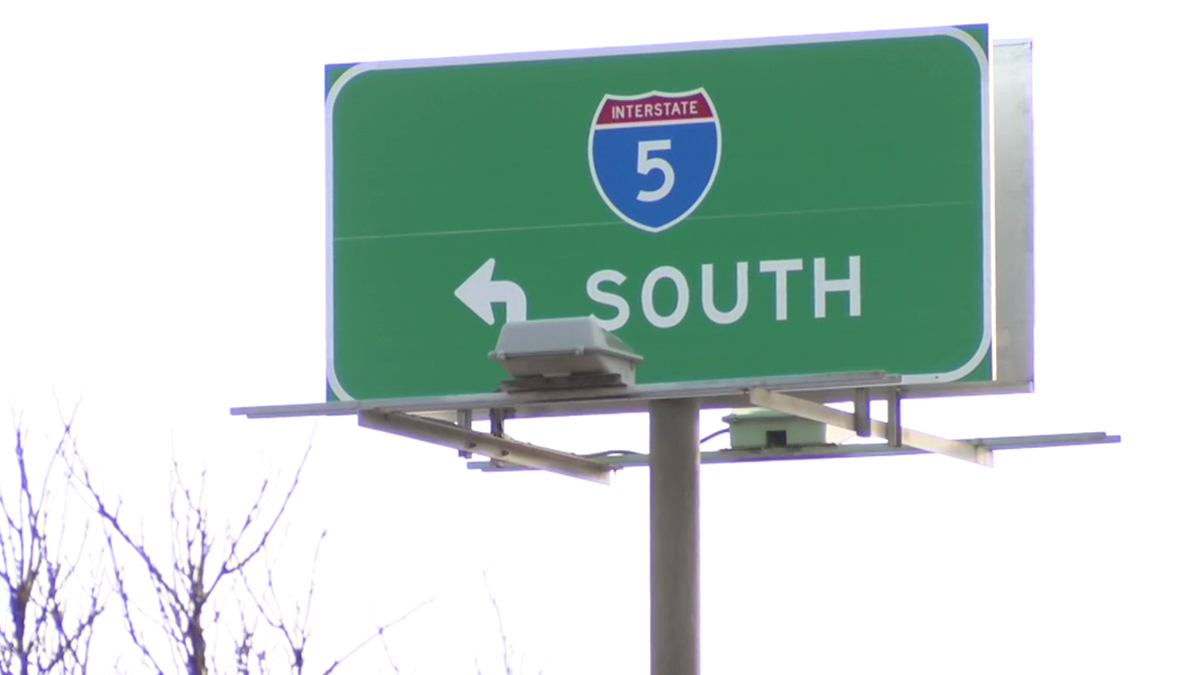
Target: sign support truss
<point>860,422</point>
<point>497,447</point>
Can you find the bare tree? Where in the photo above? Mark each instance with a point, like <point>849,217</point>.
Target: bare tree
<point>294,628</point>
<point>192,580</point>
<point>204,573</point>
<point>52,606</point>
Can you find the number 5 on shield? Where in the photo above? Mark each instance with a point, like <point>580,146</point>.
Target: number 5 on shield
<point>646,164</point>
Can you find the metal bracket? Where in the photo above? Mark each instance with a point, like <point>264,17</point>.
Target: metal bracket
<point>503,449</point>
<point>799,407</point>
<point>464,418</point>
<point>893,420</point>
<point>862,413</point>
<point>497,417</point>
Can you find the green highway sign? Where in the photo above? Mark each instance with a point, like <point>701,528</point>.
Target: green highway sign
<point>731,210</point>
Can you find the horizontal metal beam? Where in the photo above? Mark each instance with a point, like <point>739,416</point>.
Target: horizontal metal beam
<point>495,447</point>
<point>604,399</point>
<point>1046,440</point>
<point>622,459</point>
<point>799,407</point>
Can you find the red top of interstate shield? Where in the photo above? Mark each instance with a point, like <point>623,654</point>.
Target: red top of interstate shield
<point>654,107</point>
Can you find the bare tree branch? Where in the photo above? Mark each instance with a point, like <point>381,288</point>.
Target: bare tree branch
<point>41,632</point>
<point>234,563</point>
<point>509,653</point>
<point>504,644</point>
<point>378,634</point>
<point>296,632</point>
<point>111,517</point>
<point>134,635</point>
<point>391,659</point>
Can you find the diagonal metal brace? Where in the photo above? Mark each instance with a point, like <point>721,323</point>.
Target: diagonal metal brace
<point>499,448</point>
<point>799,407</point>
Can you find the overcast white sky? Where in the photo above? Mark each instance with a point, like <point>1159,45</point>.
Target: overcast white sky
<point>161,259</point>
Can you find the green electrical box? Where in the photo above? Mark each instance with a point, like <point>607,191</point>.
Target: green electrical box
<point>757,428</point>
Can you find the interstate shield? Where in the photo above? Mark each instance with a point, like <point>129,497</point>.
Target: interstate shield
<point>654,156</point>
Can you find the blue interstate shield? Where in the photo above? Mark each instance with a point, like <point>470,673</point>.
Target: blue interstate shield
<point>654,156</point>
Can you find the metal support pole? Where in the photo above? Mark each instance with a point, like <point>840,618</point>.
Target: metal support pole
<point>675,537</point>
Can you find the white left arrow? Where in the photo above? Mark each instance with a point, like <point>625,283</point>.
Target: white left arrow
<point>479,291</point>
